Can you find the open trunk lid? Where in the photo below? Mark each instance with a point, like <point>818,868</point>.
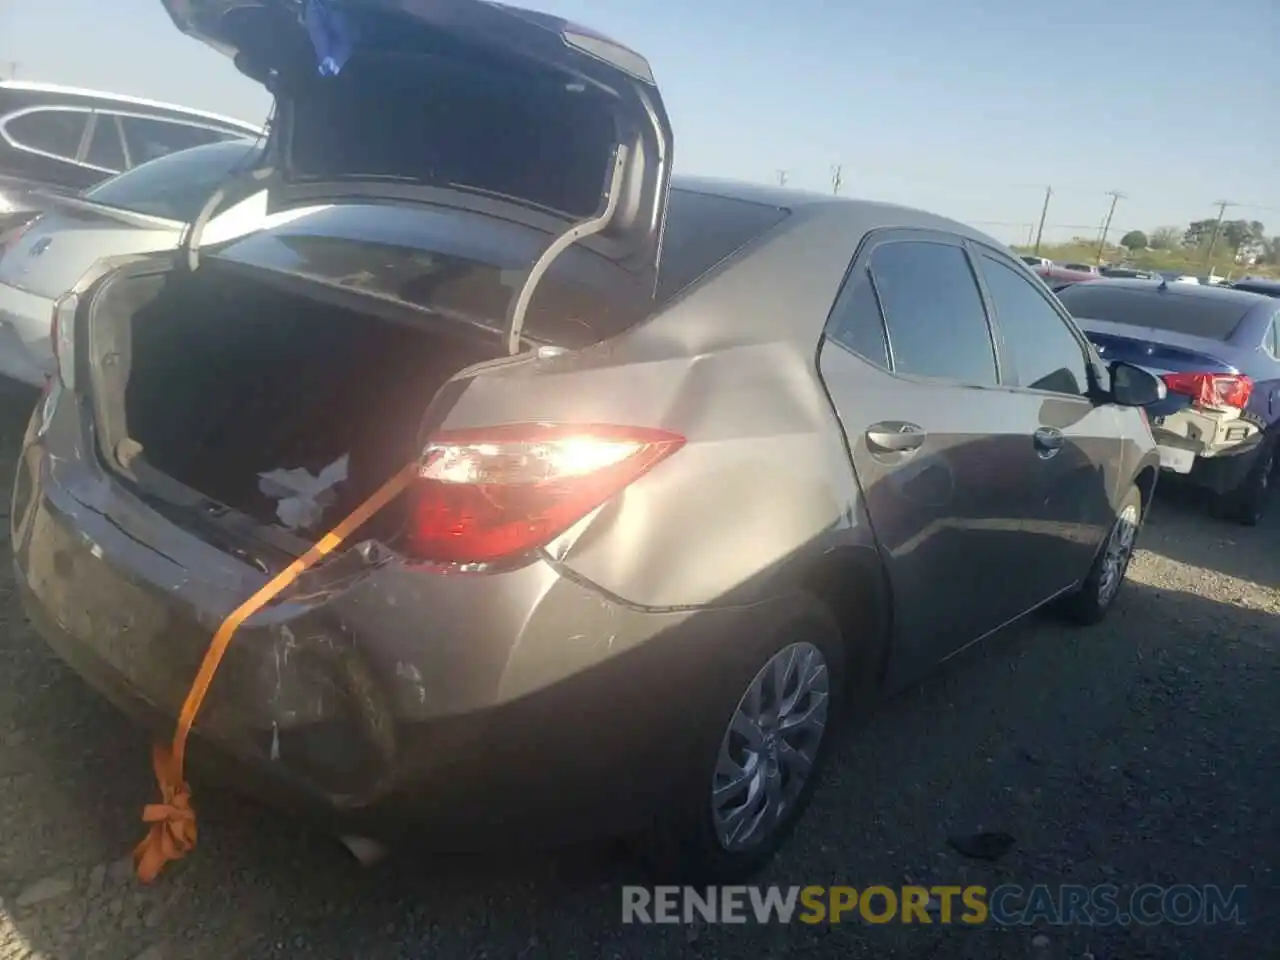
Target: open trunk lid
<point>456,103</point>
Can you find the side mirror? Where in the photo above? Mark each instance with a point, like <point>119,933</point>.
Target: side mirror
<point>1134,387</point>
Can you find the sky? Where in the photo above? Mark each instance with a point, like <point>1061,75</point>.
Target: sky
<point>968,110</point>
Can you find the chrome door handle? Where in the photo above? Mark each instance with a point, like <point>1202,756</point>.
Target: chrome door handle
<point>893,436</point>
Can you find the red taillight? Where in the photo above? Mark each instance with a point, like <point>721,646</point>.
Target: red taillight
<point>491,493</point>
<point>1212,389</point>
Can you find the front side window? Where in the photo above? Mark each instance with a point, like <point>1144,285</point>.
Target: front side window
<point>1044,351</point>
<point>50,131</point>
<point>933,312</point>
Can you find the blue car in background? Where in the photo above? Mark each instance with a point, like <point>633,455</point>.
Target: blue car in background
<point>1218,351</point>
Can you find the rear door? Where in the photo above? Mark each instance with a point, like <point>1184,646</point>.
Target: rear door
<point>912,371</point>
<point>1070,445</point>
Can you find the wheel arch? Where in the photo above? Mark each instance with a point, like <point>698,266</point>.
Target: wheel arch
<point>851,581</point>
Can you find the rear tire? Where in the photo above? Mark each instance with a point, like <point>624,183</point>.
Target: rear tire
<point>1091,603</point>
<point>1247,504</point>
<point>766,771</point>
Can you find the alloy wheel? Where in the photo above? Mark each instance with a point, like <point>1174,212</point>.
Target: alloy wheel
<point>770,749</point>
<point>1119,551</point>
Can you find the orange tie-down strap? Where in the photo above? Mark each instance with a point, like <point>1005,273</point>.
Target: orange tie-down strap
<point>173,821</point>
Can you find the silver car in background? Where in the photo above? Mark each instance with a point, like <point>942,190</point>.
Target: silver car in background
<point>142,210</point>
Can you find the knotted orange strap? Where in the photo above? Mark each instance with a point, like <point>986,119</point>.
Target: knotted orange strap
<point>173,821</point>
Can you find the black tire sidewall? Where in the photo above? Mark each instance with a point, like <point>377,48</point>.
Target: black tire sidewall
<point>1087,605</point>
<point>688,849</point>
<point>1253,498</point>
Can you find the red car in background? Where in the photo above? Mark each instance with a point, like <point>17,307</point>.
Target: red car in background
<point>1057,278</point>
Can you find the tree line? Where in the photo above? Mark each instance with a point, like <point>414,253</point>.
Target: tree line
<point>1243,237</point>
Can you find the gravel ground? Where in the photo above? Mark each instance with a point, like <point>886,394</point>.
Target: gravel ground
<point>1141,751</point>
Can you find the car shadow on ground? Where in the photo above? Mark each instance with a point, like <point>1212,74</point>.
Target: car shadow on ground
<point>1141,751</point>
<point>1182,530</point>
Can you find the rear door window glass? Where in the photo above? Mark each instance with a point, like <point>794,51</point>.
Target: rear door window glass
<point>106,149</point>
<point>703,230</point>
<point>50,131</point>
<point>1169,310</point>
<point>149,139</point>
<point>933,311</point>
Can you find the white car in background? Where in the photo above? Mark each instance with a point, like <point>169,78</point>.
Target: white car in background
<point>143,210</point>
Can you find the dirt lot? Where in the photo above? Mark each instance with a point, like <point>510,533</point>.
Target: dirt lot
<point>1143,751</point>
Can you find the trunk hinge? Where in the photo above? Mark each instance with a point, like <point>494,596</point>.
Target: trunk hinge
<point>190,245</point>
<point>579,231</point>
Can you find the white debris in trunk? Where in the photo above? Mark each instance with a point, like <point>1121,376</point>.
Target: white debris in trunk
<point>302,496</point>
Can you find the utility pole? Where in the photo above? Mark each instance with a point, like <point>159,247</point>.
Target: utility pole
<point>13,69</point>
<point>1031,232</point>
<point>1217,227</point>
<point>1044,212</point>
<point>837,178</point>
<point>782,178</point>
<point>1115,196</point>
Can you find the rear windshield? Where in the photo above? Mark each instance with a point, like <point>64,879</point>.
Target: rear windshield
<point>1199,316</point>
<point>521,136</point>
<point>703,230</point>
<point>175,186</point>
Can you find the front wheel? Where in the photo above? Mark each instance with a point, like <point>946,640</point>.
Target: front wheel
<point>764,740</point>
<point>1093,600</point>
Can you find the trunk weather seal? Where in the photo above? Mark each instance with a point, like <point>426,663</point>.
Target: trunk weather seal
<point>580,231</point>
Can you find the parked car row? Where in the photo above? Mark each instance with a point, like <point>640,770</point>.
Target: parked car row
<point>704,471</point>
<point>63,140</point>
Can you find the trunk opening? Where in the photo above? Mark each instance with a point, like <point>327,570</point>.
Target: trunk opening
<point>213,379</point>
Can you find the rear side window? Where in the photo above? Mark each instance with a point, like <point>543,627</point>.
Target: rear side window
<point>1215,318</point>
<point>856,321</point>
<point>175,186</point>
<point>933,311</point>
<point>106,149</point>
<point>149,139</point>
<point>703,230</point>
<point>50,131</point>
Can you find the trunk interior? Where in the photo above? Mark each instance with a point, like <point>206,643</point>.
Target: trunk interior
<point>229,378</point>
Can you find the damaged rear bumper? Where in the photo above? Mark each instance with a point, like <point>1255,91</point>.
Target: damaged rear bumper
<point>469,709</point>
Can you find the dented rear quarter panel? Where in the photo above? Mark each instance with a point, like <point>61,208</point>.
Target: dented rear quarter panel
<point>764,480</point>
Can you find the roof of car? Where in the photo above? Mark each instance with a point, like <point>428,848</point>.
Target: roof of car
<point>1205,291</point>
<point>125,100</point>
<point>873,213</point>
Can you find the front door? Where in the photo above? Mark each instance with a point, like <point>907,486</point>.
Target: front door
<point>1071,444</point>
